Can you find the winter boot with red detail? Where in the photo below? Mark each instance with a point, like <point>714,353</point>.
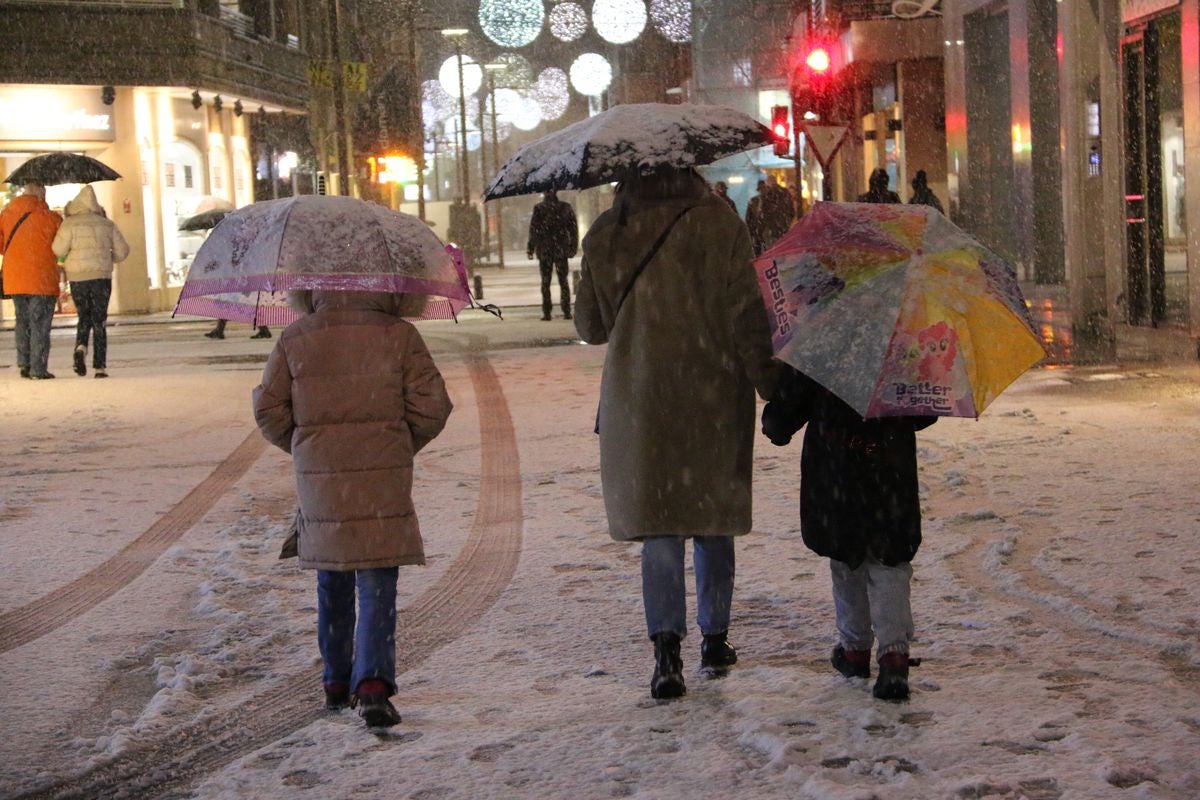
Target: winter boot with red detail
<point>373,704</point>
<point>337,695</point>
<point>851,663</point>
<point>892,683</point>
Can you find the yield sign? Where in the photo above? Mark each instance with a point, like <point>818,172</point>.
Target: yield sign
<point>824,140</point>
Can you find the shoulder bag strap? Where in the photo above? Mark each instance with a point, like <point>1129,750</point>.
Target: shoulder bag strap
<point>13,232</point>
<point>662,237</point>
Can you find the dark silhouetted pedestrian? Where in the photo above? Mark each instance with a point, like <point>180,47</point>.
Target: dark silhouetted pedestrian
<point>553,238</point>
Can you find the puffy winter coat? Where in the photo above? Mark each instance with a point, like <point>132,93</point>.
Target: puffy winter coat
<point>88,240</point>
<point>352,393</point>
<point>858,478</point>
<point>29,263</point>
<point>686,353</point>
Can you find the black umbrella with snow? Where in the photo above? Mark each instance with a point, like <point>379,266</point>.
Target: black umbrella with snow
<point>627,139</point>
<point>53,169</point>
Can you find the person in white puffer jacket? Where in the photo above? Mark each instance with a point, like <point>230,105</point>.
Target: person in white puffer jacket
<point>90,244</point>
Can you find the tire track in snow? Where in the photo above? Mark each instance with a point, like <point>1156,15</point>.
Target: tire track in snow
<point>51,611</point>
<point>470,586</point>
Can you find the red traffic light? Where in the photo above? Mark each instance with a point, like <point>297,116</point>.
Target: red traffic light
<point>818,60</point>
<point>781,127</point>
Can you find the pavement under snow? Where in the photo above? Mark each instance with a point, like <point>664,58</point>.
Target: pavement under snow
<point>151,644</point>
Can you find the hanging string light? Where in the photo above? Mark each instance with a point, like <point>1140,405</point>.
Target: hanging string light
<point>619,21</point>
<point>551,92</point>
<point>568,21</point>
<point>591,74</point>
<point>673,19</point>
<point>511,23</point>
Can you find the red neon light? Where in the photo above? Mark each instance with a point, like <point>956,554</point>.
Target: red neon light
<point>1135,197</point>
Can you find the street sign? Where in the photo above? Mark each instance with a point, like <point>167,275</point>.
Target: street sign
<point>824,141</point>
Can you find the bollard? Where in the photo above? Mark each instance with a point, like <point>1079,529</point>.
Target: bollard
<point>478,287</point>
<point>575,276</point>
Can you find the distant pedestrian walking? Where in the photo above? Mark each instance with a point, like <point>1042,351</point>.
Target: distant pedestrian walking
<point>31,275</point>
<point>859,508</point>
<point>667,283</point>
<point>553,238</point>
<point>218,332</point>
<point>922,194</point>
<point>878,191</point>
<point>351,391</point>
<point>754,218</point>
<point>778,212</point>
<point>90,244</point>
<point>721,190</point>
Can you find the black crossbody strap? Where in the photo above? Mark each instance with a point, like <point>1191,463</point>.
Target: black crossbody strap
<point>662,237</point>
<point>13,232</point>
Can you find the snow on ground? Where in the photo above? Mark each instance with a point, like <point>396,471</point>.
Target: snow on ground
<point>1055,599</point>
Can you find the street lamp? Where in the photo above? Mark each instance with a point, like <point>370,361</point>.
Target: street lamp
<point>491,70</point>
<point>455,36</point>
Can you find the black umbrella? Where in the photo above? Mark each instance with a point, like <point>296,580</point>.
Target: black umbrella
<point>205,220</point>
<point>52,169</point>
<point>626,139</point>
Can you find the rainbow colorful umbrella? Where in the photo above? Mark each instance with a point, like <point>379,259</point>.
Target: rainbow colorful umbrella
<point>896,310</point>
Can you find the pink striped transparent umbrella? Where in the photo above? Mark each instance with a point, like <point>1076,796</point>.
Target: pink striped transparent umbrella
<point>256,254</point>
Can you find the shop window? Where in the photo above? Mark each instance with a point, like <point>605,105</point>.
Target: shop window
<point>188,182</point>
<point>169,175</point>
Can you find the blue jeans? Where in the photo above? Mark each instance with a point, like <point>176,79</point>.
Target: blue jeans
<point>663,591</point>
<point>35,312</point>
<point>351,654</point>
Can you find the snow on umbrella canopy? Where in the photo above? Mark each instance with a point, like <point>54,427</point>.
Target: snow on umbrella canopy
<point>318,242</point>
<point>53,169</point>
<point>896,310</point>
<point>625,139</point>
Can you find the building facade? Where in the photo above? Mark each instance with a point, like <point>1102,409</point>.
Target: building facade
<point>164,93</point>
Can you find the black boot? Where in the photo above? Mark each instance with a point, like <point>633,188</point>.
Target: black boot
<point>851,663</point>
<point>263,333</point>
<point>667,682</point>
<point>217,332</point>
<point>337,695</point>
<point>892,683</point>
<point>716,653</point>
<point>371,699</point>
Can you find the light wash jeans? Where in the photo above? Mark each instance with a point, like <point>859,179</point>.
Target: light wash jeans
<point>352,655</point>
<point>35,313</point>
<point>663,590</point>
<point>872,602</point>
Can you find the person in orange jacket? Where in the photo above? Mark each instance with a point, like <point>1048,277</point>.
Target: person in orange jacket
<point>31,275</point>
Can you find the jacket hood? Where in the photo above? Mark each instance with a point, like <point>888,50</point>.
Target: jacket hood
<point>683,185</point>
<point>84,203</point>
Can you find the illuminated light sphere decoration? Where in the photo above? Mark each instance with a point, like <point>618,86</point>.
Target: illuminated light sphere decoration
<point>568,21</point>
<point>619,21</point>
<point>520,110</point>
<point>436,104</point>
<point>591,74</point>
<point>517,73</point>
<point>448,76</point>
<point>511,23</point>
<point>673,19</point>
<point>552,92</point>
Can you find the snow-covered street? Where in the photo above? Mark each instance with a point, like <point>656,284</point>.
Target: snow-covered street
<point>151,644</point>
